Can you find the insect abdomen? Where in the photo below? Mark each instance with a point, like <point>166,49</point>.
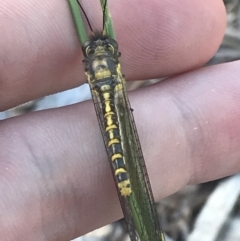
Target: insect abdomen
<point>114,144</point>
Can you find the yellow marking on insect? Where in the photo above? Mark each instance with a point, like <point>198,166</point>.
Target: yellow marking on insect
<point>119,71</point>
<point>107,106</point>
<point>106,96</point>
<point>113,141</point>
<point>102,74</point>
<point>111,134</point>
<point>115,156</point>
<point>109,113</point>
<point>110,127</point>
<point>105,88</point>
<point>90,80</point>
<point>118,87</point>
<point>119,170</point>
<point>109,120</point>
<point>95,92</point>
<point>124,188</point>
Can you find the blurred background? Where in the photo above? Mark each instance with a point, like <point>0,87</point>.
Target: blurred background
<point>206,212</point>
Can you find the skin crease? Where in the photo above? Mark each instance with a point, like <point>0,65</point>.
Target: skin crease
<point>55,182</point>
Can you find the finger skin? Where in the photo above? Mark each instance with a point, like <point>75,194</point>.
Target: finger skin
<point>40,53</point>
<point>55,180</point>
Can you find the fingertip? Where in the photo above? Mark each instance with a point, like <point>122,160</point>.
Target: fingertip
<point>162,38</point>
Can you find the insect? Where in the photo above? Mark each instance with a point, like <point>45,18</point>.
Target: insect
<point>115,117</point>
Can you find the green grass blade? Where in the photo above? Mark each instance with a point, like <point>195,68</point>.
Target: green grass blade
<point>78,21</point>
<point>108,25</point>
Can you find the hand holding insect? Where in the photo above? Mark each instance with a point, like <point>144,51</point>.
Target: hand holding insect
<point>40,57</point>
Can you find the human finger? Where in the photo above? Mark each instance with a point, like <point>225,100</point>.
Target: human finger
<point>54,169</point>
<point>40,53</point>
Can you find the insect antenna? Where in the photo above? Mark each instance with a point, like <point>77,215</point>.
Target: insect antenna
<point>104,14</point>
<point>84,13</point>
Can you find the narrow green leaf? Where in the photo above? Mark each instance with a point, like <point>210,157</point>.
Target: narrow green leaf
<point>108,24</point>
<point>78,21</point>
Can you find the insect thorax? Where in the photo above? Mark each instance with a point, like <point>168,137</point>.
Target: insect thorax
<point>101,59</point>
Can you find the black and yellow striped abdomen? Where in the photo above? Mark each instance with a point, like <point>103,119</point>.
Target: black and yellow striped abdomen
<point>112,132</point>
